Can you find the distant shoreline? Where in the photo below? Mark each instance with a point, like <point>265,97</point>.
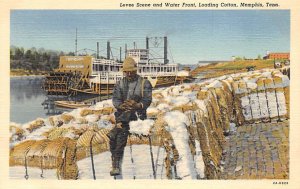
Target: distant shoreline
<point>16,76</point>
<point>24,73</point>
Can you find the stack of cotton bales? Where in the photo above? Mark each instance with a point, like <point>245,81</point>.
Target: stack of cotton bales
<point>189,118</point>
<point>262,98</point>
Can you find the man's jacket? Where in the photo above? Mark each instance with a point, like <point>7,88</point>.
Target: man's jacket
<point>139,90</point>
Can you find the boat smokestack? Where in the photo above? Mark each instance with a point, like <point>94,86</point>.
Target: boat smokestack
<point>108,50</point>
<point>76,43</point>
<point>147,43</point>
<point>166,50</point>
<point>125,50</point>
<point>97,50</point>
<point>120,54</point>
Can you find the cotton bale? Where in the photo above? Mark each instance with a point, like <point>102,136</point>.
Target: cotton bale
<point>108,110</point>
<point>35,125</point>
<point>203,94</point>
<point>287,100</point>
<point>111,118</point>
<point>17,133</point>
<point>269,85</point>
<point>157,95</point>
<point>34,156</point>
<point>21,149</point>
<point>66,118</point>
<point>224,109</point>
<point>81,120</point>
<point>57,133</point>
<point>85,112</point>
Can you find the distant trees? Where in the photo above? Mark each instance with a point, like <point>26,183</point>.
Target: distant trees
<point>238,58</point>
<point>35,60</point>
<point>259,57</point>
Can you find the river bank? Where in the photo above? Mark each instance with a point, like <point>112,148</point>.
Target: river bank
<point>232,67</point>
<point>22,72</point>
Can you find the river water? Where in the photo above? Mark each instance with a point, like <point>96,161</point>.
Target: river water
<point>26,98</point>
<point>28,101</point>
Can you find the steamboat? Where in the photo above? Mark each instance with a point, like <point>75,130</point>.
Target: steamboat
<point>97,76</point>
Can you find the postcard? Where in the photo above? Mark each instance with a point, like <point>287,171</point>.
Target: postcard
<point>149,94</point>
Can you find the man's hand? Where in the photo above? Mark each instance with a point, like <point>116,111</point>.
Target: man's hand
<point>130,105</point>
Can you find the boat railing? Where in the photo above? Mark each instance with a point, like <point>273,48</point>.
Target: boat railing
<point>106,73</point>
<point>154,74</point>
<point>107,77</point>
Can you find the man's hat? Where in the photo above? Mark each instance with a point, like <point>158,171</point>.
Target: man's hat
<point>129,65</point>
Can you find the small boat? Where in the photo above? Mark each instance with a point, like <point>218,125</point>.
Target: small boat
<point>71,104</point>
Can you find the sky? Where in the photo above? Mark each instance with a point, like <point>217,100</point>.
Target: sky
<point>193,35</point>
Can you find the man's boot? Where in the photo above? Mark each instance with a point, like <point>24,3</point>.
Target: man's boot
<point>115,167</point>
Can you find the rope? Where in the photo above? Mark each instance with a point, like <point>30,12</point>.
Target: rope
<point>267,100</point>
<point>42,168</point>
<point>152,160</point>
<point>92,158</point>
<point>132,161</point>
<point>175,171</point>
<point>65,162</point>
<point>162,167</point>
<point>249,98</point>
<point>158,150</point>
<point>26,171</point>
<point>277,103</point>
<point>260,114</point>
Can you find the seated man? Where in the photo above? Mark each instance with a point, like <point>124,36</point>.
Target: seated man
<point>131,97</point>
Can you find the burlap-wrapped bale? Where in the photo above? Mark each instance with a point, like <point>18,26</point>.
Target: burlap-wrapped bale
<point>56,132</point>
<point>238,91</point>
<point>263,100</point>
<point>186,107</point>
<point>272,98</point>
<point>282,104</point>
<point>202,95</point>
<point>228,96</point>
<point>35,125</point>
<point>81,120</point>
<point>224,111</point>
<point>111,118</point>
<point>210,147</point>
<point>66,118</point>
<point>34,157</point>
<point>17,133</point>
<point>157,95</point>
<point>108,110</point>
<point>19,152</point>
<point>214,116</point>
<point>86,112</point>
<point>287,100</point>
<point>67,167</point>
